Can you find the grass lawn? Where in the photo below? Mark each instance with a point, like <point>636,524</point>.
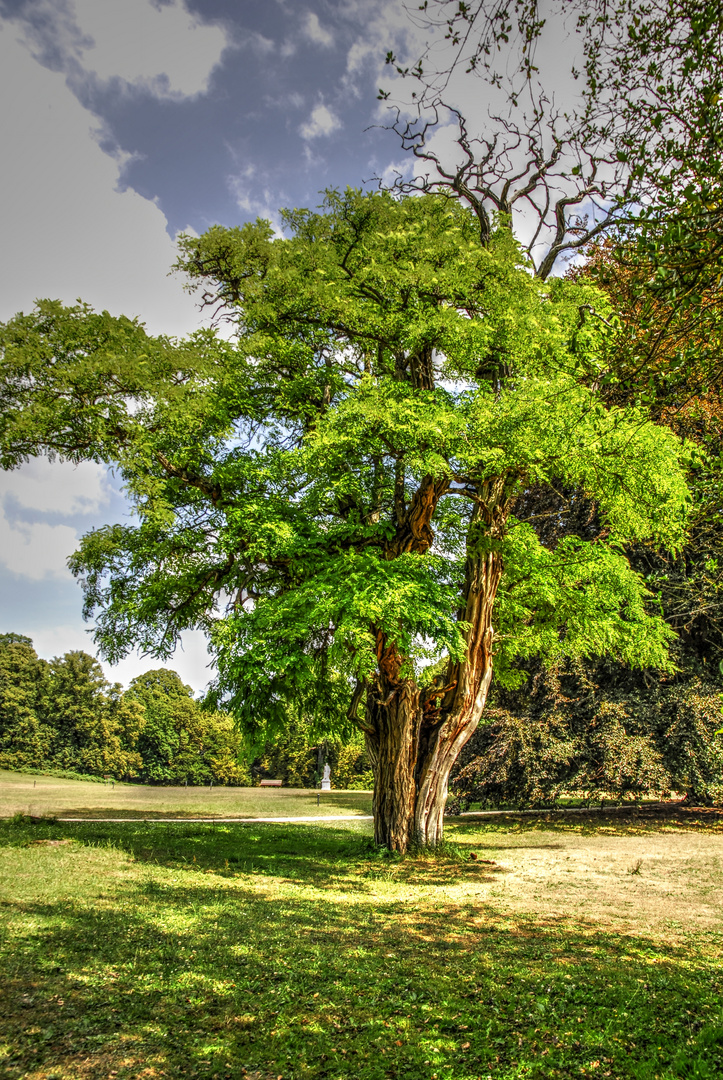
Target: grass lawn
<point>22,793</point>
<point>585,948</point>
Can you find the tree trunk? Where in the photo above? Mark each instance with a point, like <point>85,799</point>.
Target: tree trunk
<point>391,726</point>
<point>414,737</point>
<point>446,729</point>
<point>392,745</point>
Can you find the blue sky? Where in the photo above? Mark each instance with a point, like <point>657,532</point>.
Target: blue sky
<point>125,122</point>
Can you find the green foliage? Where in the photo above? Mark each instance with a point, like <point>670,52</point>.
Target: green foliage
<point>590,730</point>
<point>64,719</point>
<point>63,714</point>
<point>579,600</point>
<point>297,756</point>
<point>95,729</point>
<point>351,768</point>
<point>267,656</point>
<point>690,746</point>
<point>379,348</point>
<point>555,430</point>
<point>291,757</point>
<point>79,384</point>
<point>25,735</point>
<point>180,742</point>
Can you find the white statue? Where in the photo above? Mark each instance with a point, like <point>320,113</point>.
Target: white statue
<point>326,778</point>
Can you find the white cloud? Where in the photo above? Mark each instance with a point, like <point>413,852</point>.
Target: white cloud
<point>58,487</point>
<point>190,659</point>
<point>36,550</point>
<point>359,54</point>
<point>67,231</point>
<point>314,31</point>
<point>385,26</point>
<point>39,549</point>
<point>253,197</point>
<point>162,47</point>
<point>321,122</point>
<point>257,43</point>
<point>61,639</point>
<point>391,173</point>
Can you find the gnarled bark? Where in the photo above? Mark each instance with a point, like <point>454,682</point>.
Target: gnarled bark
<point>391,725</point>
<point>392,746</point>
<point>445,729</point>
<point>414,737</point>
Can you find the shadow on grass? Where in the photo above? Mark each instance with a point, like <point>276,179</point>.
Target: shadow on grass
<point>182,972</point>
<point>326,856</point>
<point>198,982</point>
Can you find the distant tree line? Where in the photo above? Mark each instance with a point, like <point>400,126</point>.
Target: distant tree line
<point>586,728</point>
<point>64,715</point>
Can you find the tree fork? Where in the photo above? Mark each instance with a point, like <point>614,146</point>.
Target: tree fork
<point>413,742</point>
<point>414,532</point>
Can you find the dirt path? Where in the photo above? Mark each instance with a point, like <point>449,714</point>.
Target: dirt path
<point>224,820</point>
<point>640,877</point>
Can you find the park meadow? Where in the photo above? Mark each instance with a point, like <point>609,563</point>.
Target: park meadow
<point>538,947</point>
<point>433,482</point>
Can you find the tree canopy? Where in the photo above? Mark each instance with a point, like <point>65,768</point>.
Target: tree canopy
<point>331,495</point>
<point>179,742</point>
<point>63,715</point>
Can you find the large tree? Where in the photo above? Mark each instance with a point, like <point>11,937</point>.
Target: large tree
<point>95,726</point>
<point>628,146</point>
<point>336,495</point>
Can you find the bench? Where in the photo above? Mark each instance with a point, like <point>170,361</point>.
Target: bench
<point>270,783</point>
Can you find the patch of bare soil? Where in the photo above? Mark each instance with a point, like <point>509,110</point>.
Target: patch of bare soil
<point>656,875</point>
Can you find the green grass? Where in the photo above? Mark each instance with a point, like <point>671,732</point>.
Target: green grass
<point>266,951</point>
<point>21,793</point>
